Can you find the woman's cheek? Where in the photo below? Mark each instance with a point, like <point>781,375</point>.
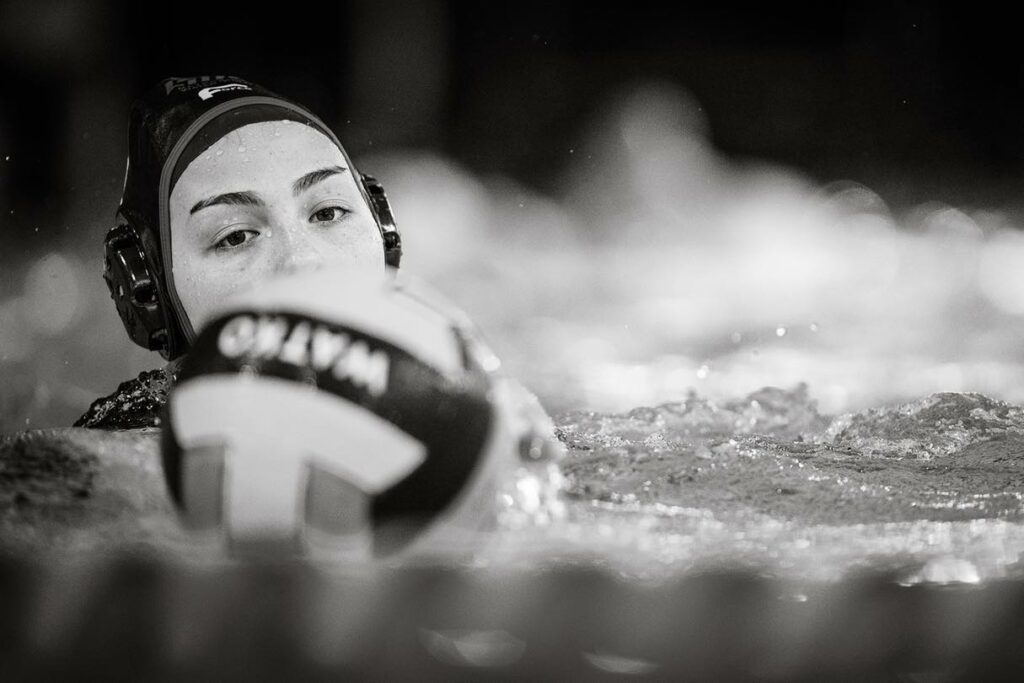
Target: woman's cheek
<point>360,243</point>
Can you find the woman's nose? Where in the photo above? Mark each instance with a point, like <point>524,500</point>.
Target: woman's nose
<point>298,249</point>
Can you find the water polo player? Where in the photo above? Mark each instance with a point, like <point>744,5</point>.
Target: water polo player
<point>227,184</point>
<point>294,412</point>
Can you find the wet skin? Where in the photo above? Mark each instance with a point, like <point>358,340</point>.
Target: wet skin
<point>266,199</point>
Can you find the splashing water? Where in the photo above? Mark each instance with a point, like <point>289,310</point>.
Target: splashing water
<point>930,490</point>
<point>650,303</point>
<point>653,304</point>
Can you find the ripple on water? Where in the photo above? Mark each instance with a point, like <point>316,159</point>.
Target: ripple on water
<point>766,480</point>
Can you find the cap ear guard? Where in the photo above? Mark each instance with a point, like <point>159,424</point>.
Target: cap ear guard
<point>381,209</point>
<point>137,290</point>
<point>134,289</point>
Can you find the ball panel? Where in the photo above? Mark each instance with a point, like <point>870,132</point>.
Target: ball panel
<point>280,425</point>
<point>202,486</point>
<point>171,456</point>
<point>453,421</point>
<point>335,506</point>
<point>273,430</point>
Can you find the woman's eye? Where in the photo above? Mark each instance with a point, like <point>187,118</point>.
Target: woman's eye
<point>236,239</point>
<point>329,214</point>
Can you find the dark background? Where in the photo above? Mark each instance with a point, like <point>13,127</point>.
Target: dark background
<point>480,108</point>
<point>912,100</point>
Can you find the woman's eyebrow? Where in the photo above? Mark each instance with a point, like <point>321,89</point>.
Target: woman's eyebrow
<point>245,198</point>
<point>248,198</point>
<point>313,177</point>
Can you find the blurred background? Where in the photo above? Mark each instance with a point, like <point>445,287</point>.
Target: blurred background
<point>633,202</point>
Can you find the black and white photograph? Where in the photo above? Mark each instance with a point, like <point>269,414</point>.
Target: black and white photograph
<point>444,340</point>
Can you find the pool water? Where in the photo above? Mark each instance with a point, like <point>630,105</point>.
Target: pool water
<point>746,366</point>
<point>924,491</point>
<point>790,412</point>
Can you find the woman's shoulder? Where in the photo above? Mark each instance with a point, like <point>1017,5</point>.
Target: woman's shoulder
<point>136,403</point>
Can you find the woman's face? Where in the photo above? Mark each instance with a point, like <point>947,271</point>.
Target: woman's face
<point>266,199</point>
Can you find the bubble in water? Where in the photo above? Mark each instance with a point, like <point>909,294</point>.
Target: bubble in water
<point>814,327</point>
<point>15,337</point>
<point>736,337</point>
<point>1000,276</point>
<point>52,294</point>
<point>616,664</point>
<point>952,223</point>
<point>703,371</point>
<point>944,570</point>
<point>467,648</point>
<point>7,158</point>
<point>780,331</point>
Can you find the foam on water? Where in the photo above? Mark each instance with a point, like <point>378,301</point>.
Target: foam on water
<point>929,490</point>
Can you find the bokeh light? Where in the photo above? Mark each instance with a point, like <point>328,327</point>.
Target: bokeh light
<point>661,267</point>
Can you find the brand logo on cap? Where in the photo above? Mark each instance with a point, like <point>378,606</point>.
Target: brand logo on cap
<point>207,93</point>
<point>182,85</point>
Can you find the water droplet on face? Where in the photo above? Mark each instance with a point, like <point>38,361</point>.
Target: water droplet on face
<point>780,331</point>
<point>814,327</point>
<point>219,152</point>
<point>241,149</point>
